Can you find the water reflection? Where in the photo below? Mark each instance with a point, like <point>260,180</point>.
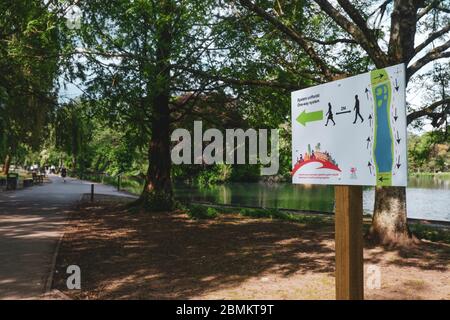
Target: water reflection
<point>429,182</point>
<point>427,197</point>
<point>281,195</point>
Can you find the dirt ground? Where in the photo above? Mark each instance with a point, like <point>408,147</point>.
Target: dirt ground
<point>124,255</point>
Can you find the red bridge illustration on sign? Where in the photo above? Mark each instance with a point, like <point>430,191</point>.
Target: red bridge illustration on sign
<point>317,156</point>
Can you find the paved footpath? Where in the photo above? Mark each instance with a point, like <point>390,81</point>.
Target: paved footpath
<point>31,223</point>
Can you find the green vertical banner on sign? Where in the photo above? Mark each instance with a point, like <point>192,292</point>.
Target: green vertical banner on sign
<point>383,144</point>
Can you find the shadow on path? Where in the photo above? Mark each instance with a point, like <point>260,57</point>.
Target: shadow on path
<point>125,255</point>
<point>31,223</point>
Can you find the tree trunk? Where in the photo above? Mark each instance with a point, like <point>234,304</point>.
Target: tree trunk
<point>157,194</point>
<point>74,163</point>
<point>7,164</point>
<point>389,222</point>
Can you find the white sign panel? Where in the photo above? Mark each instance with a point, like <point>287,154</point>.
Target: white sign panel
<point>351,131</point>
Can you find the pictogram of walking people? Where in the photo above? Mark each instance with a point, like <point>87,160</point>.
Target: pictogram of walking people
<point>356,108</point>
<point>329,115</point>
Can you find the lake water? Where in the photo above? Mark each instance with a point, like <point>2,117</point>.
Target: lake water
<point>427,197</point>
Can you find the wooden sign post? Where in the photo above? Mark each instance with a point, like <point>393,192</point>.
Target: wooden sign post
<point>351,133</point>
<point>349,243</point>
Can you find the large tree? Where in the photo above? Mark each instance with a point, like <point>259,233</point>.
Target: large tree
<point>382,33</point>
<point>137,53</point>
<point>28,69</point>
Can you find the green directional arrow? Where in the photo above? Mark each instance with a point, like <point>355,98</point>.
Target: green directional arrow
<point>305,117</point>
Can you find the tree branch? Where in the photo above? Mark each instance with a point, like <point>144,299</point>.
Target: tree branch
<point>427,9</point>
<point>428,111</point>
<point>294,35</point>
<point>247,82</point>
<point>331,42</point>
<point>446,10</point>
<point>433,36</point>
<point>366,40</point>
<point>356,17</point>
<point>432,55</point>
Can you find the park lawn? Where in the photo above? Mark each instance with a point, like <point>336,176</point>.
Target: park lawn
<point>134,255</point>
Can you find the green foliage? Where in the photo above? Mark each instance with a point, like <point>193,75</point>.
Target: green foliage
<point>29,50</point>
<point>430,233</point>
<point>205,212</point>
<point>113,151</point>
<point>222,173</point>
<point>256,213</point>
<point>73,132</point>
<point>214,174</point>
<point>245,173</point>
<point>285,152</point>
<point>201,212</point>
<point>91,145</point>
<point>429,152</point>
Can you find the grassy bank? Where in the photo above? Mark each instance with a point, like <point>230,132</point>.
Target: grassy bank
<point>430,233</point>
<point>198,211</point>
<point>132,185</point>
<point>442,175</point>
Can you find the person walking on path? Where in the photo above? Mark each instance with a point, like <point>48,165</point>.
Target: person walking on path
<point>64,173</point>
<point>330,115</point>
<point>356,108</point>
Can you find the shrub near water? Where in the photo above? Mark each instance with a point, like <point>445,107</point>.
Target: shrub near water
<point>201,212</point>
<point>430,233</point>
<point>263,213</point>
